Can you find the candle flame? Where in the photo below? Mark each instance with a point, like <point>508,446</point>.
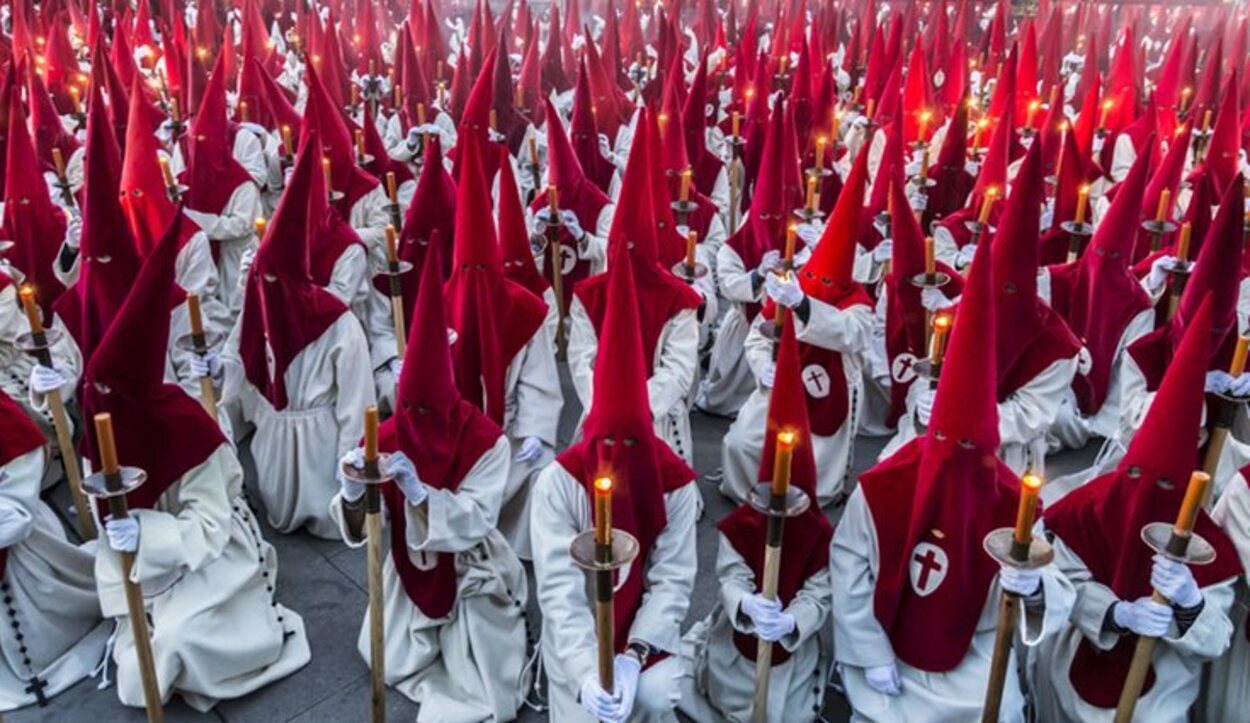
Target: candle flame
<point>27,291</point>
<point>1083,189</point>
<point>942,321</point>
<point>1035,104</point>
<point>603,484</point>
<point>1106,104</point>
<point>982,123</point>
<point>991,192</point>
<point>786,438</point>
<point>926,115</point>
<point>1031,481</point>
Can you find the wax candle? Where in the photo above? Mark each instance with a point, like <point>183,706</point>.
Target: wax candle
<point>1082,202</point>
<point>782,458</point>
<point>1030,487</point>
<point>603,510</point>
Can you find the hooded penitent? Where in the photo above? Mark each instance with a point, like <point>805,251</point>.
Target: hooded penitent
<point>143,192</point>
<point>494,317</point>
<point>213,174</point>
<point>324,118</point>
<point>432,213</point>
<point>584,135</point>
<point>618,439</point>
<point>1097,295</point>
<point>514,235</point>
<point>441,433</point>
<point>284,311</point>
<point>159,428</point>
<point>1102,521</point>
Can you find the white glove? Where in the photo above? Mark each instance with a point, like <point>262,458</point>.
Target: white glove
<point>495,136</point>
<point>397,368</point>
<point>1021,582</point>
<point>770,262</point>
<point>808,233</point>
<point>1240,386</point>
<point>918,201</point>
<point>1143,616</point>
<point>924,405</point>
<point>883,252</point>
<point>964,256</point>
<point>208,365</point>
<point>572,224</point>
<point>934,300</point>
<point>1099,142</point>
<point>401,468</point>
<point>123,534</point>
<point>286,176</point>
<point>627,669</point>
<point>351,489</point>
<point>911,170</point>
<point>768,375</point>
<point>531,449</point>
<point>784,290</point>
<point>73,231</point>
<point>45,379</point>
<point>1218,382</point>
<point>972,168</point>
<point>414,138</point>
<point>1175,581</point>
<point>605,150</point>
<point>1159,269</point>
<point>597,701</point>
<point>771,622</point>
<point>884,679</point>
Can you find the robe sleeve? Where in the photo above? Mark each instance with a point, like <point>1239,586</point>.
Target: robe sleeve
<point>810,606</point>
<point>670,572</point>
<point>673,376</point>
<point>848,331</point>
<point>354,382</point>
<point>369,218</point>
<point>349,269</point>
<point>1036,623</point>
<point>237,217</point>
<point>1212,631</point>
<point>456,520</point>
<point>1232,512</point>
<point>859,640</point>
<point>583,346</point>
<point>736,283</point>
<point>198,533</point>
<point>250,153</point>
<point>757,349</point>
<point>395,138</point>
<point>593,247</point>
<point>19,496</point>
<point>1030,410</point>
<point>538,394</point>
<point>1135,399</point>
<point>1093,599</point>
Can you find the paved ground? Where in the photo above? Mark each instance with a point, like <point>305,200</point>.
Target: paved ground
<point>325,582</point>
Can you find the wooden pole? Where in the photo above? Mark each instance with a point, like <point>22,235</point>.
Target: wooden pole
<point>1009,603</point>
<point>134,595</point>
<point>60,420</point>
<point>208,396</point>
<point>1178,545</point>
<point>557,269</point>
<point>772,565</point>
<point>373,544</point>
<point>396,290</point>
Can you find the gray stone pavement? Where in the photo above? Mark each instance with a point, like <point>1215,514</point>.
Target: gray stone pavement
<point>325,582</point>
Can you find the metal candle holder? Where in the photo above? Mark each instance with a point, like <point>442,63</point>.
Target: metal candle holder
<point>760,495</point>
<point>689,273</point>
<point>1000,543</point>
<point>625,549</point>
<point>132,478</point>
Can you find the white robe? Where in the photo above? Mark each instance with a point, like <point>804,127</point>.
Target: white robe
<point>672,377</point>
<point>724,680</point>
<point>1226,690</point>
<point>208,578</point>
<point>729,379</point>
<point>955,696</point>
<point>846,331</point>
<point>370,217</point>
<point>470,664</point>
<point>1178,659</point>
<point>561,510</point>
<point>351,280</point>
<point>52,630</point>
<point>297,448</point>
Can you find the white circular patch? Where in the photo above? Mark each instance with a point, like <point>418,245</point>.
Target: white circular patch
<point>927,568</point>
<point>1084,362</point>
<point>568,259</point>
<point>816,381</point>
<point>903,370</point>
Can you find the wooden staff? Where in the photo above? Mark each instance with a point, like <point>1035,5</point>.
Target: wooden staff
<point>392,193</point>
<point>118,510</point>
<point>605,613</point>
<point>60,421</point>
<point>557,267</point>
<point>1223,409</point>
<point>1177,547</point>
<point>782,457</point>
<point>62,180</point>
<point>373,543</point>
<point>1009,602</point>
<point>396,290</point>
<point>208,396</point>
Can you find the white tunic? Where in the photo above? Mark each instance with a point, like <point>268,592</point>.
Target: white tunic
<point>297,449</point>
<point>729,379</point>
<point>672,377</point>
<point>52,630</point>
<point>1226,690</point>
<point>1178,659</point>
<point>846,331</point>
<point>468,665</point>
<point>955,696</point>
<point>724,680</point>
<point>351,280</point>
<point>560,511</point>
<point>208,579</point>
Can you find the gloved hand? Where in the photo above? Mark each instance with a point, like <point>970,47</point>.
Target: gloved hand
<point>571,223</point>
<point>1021,582</point>
<point>918,202</point>
<point>964,256</point>
<point>401,468</point>
<point>1218,382</point>
<point>1143,617</point>
<point>45,379</point>
<point>884,679</point>
<point>351,490</point>
<point>934,300</point>
<point>627,670</point>
<point>768,375</point>
<point>1240,386</point>
<point>924,405</point>
<point>531,449</point>
<point>809,233</point>
<point>73,230</point>
<point>123,534</point>
<point>413,141</point>
<point>883,252</point>
<point>397,367</point>
<point>1175,581</point>
<point>495,136</point>
<point>286,176</point>
<point>771,622</point>
<point>597,701</point>
<point>784,290</point>
<point>1159,269</point>
<point>605,150</point>
<point>972,168</point>
<point>208,365</point>
<point>770,262</point>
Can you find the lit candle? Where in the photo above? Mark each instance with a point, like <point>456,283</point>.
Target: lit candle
<point>1182,244</point>
<point>371,441</point>
<point>58,160</point>
<point>360,146</point>
<point>782,458</point>
<point>1030,487</point>
<point>392,191</point>
<point>1033,106</point>
<point>397,95</point>
<point>325,171</point>
<point>686,176</point>
<point>392,245</point>
<point>736,123</point>
<point>1165,199</point>
<point>811,193</point>
<point>937,343</point>
<point>930,257</point>
<point>603,511</point>
<point>259,223</point>
<point>692,238</point>
<point>553,201</point>
<point>835,128</point>
<point>663,122</point>
<point>288,148</point>
<point>32,310</point>
<point>986,204</point>
<point>924,125</point>
<point>1106,109</point>
<point>166,172</point>
<point>494,119</point>
<point>1206,121</point>
<point>76,99</point>
<point>1195,493</point>
<point>420,114</point>
<point>791,233</point>
<point>872,106</point>
<point>243,114</point>
<point>820,153</point>
<point>533,144</point>
<point>1082,202</point>
<point>976,134</point>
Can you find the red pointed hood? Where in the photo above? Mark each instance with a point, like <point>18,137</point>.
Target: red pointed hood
<point>777,192</point>
<point>1223,153</point>
<point>584,134</point>
<point>18,434</point>
<point>612,108</point>
<point>514,235</point>
<point>433,210</point>
<point>214,174</point>
<point>45,121</point>
<point>1167,176</point>
<point>268,102</point>
<point>827,275</point>
<point>144,197</point>
<point>323,117</point>
<point>952,182</point>
<point>555,75</point>
<point>160,429</point>
<point>564,171</point>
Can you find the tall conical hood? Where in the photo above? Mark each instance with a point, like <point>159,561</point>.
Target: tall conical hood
<point>1213,272</point>
<point>428,382</point>
<point>514,235</point>
<point>827,275</point>
<point>1223,154</point>
<point>46,123</point>
<point>143,190</point>
<point>214,174</point>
